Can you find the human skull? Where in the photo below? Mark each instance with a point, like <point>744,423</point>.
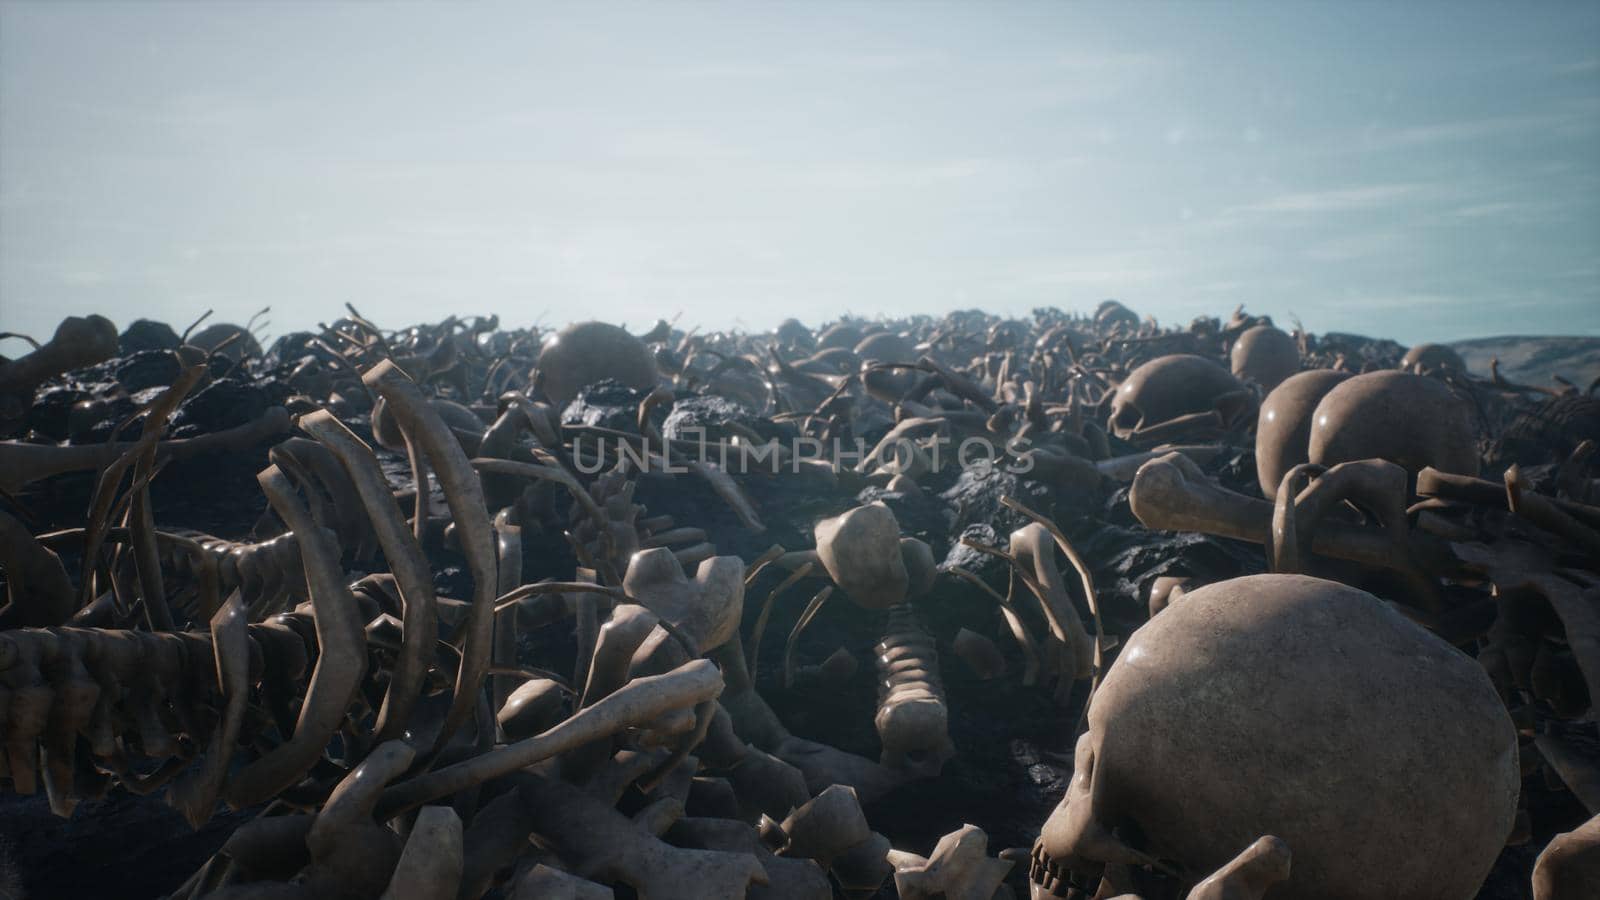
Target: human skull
<point>1111,315</point>
<point>1404,418</point>
<point>210,338</point>
<point>1265,355</point>
<point>1429,359</point>
<point>1168,387</point>
<point>594,351</point>
<point>1284,426</point>
<point>1301,708</point>
<point>886,346</point>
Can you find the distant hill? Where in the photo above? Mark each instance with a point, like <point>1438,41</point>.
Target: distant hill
<point>1533,360</point>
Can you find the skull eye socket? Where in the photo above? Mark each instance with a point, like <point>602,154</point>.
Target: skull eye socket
<point>1127,418</point>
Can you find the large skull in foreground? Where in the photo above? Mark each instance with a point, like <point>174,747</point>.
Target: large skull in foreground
<point>1301,708</point>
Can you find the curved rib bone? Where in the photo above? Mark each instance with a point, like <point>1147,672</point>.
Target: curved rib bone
<point>463,492</point>
<point>341,660</point>
<point>404,555</point>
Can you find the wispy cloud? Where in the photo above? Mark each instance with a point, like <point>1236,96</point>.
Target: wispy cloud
<point>1581,115</point>
<point>860,176</point>
<point>1362,245</point>
<point>1101,63</point>
<point>1342,200</point>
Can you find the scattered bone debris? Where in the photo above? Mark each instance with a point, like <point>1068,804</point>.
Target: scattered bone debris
<point>964,608</point>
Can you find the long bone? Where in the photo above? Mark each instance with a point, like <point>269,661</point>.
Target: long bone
<point>341,659</point>
<point>430,865</point>
<point>619,639</point>
<point>601,844</point>
<point>464,493</point>
<point>1569,867</point>
<point>638,702</point>
<point>406,561</point>
<point>1573,521</point>
<point>353,857</point>
<point>1433,483</point>
<point>1173,494</point>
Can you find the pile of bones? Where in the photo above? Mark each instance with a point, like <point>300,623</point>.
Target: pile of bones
<point>455,611</point>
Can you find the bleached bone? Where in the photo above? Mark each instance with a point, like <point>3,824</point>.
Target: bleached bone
<point>1034,550</point>
<point>959,868</point>
<point>1173,494</point>
<point>341,658</point>
<point>1569,867</point>
<point>425,431</point>
<point>861,551</point>
<point>401,550</point>
<point>638,702</point>
<point>1249,875</point>
<point>430,864</point>
<point>601,844</point>
<point>913,720</point>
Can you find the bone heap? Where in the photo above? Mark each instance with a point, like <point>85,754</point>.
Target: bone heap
<point>457,611</point>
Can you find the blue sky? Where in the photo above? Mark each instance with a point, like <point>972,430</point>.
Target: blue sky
<point>1411,170</point>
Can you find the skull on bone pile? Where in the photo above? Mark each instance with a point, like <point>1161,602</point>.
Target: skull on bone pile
<point>1265,355</point>
<point>1283,428</point>
<point>1407,419</point>
<point>1168,387</point>
<point>1301,708</point>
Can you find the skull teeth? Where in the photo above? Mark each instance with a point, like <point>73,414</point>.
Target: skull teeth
<point>1046,873</point>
